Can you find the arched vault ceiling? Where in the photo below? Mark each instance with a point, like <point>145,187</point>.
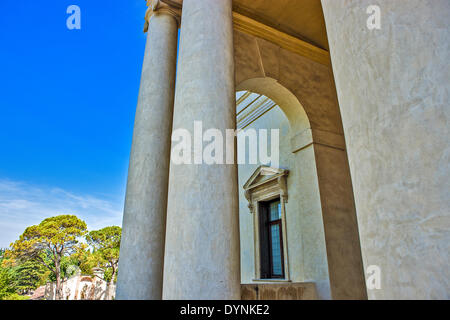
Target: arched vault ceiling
<point>299,18</point>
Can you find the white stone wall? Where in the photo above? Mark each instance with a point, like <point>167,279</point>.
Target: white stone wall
<point>80,288</point>
<point>393,89</point>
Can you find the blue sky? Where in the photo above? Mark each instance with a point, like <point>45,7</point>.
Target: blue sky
<point>67,104</point>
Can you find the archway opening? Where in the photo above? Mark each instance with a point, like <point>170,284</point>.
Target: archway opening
<point>296,246</point>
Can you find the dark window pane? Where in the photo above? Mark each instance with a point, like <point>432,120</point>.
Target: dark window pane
<point>275,211</point>
<point>271,245</point>
<point>277,265</point>
<point>264,241</point>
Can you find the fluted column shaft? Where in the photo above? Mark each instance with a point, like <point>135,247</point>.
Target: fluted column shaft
<point>202,240</point>
<point>142,248</point>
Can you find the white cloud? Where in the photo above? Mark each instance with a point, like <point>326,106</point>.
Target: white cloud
<point>23,205</point>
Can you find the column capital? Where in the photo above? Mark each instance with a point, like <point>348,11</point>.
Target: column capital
<point>161,7</point>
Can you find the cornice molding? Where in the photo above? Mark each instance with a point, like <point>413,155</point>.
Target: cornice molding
<point>285,41</point>
<point>250,26</point>
<point>273,182</point>
<point>161,7</point>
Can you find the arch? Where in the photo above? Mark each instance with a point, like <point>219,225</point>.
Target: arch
<point>311,83</point>
<point>305,261</point>
<point>285,99</point>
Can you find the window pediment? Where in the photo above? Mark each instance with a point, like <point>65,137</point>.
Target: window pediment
<point>264,183</point>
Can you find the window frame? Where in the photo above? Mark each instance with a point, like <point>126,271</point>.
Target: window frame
<point>267,184</point>
<point>265,222</point>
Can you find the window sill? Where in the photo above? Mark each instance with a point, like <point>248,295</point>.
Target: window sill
<point>271,280</point>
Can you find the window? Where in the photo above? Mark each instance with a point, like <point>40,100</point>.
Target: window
<point>271,240</point>
<point>267,195</point>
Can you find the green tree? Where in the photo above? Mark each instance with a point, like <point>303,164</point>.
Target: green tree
<point>7,283</point>
<point>29,275</point>
<point>66,266</point>
<point>8,277</point>
<point>48,242</point>
<point>106,246</point>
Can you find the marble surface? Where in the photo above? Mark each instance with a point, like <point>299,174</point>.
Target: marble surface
<point>393,88</point>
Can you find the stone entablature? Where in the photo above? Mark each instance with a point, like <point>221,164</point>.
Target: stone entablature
<point>250,26</point>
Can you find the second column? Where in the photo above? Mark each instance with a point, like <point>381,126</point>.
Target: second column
<point>202,241</point>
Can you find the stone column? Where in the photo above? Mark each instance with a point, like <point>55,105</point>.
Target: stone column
<point>142,248</point>
<point>393,91</point>
<point>202,239</point>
